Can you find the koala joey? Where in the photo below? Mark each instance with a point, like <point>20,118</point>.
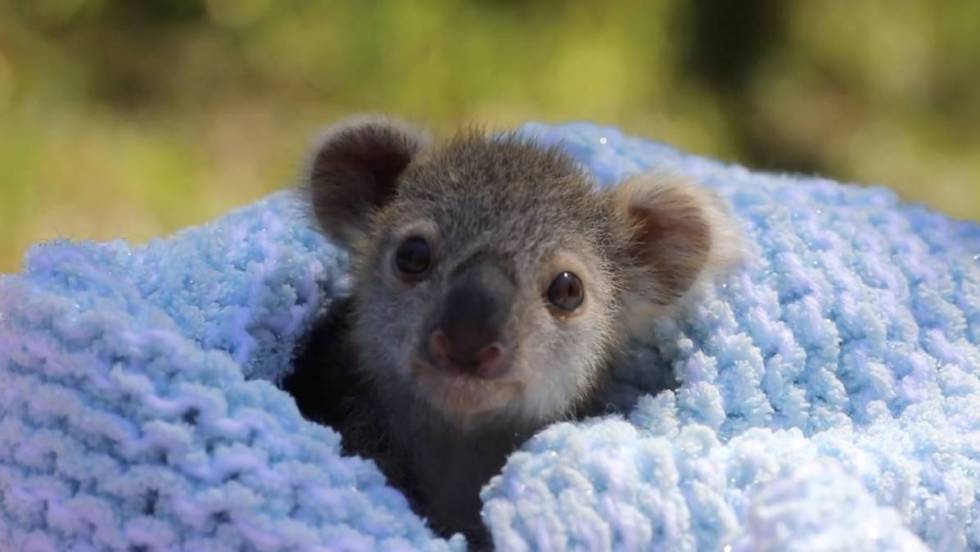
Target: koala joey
<point>493,282</point>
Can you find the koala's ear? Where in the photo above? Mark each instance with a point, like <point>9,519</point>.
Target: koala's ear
<point>354,170</point>
<point>678,234</point>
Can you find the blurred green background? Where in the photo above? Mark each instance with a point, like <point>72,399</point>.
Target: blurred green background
<point>126,118</point>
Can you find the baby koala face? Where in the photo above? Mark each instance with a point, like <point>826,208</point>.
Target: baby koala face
<point>487,280</point>
<point>492,277</point>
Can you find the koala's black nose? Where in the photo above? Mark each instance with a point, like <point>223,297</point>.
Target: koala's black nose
<point>468,335</point>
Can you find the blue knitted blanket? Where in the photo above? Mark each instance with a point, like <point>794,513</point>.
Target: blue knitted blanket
<point>828,397</point>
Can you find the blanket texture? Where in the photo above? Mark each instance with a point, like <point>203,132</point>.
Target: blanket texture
<point>828,391</point>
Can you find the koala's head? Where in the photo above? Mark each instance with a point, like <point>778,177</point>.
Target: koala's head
<point>491,276</point>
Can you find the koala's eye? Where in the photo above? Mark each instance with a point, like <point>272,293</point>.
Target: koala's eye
<point>566,291</point>
<point>413,257</point>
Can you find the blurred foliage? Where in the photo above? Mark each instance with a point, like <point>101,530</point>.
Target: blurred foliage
<point>122,118</point>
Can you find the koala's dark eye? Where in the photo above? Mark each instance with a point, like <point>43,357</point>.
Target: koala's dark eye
<point>413,257</point>
<point>566,291</point>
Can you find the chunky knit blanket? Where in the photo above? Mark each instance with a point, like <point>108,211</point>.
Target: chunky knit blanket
<point>827,397</point>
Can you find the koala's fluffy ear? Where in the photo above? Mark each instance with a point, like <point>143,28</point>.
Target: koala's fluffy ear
<point>679,233</point>
<point>354,170</point>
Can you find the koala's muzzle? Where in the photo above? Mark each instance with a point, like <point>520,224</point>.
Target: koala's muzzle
<point>468,335</point>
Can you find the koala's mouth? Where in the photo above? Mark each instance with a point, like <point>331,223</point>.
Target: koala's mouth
<point>459,393</point>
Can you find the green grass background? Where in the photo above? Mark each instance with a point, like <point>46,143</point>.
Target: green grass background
<point>124,118</point>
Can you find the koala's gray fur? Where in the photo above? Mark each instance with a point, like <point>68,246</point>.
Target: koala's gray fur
<point>526,211</point>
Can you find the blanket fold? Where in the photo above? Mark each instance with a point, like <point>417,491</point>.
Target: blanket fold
<point>828,391</point>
